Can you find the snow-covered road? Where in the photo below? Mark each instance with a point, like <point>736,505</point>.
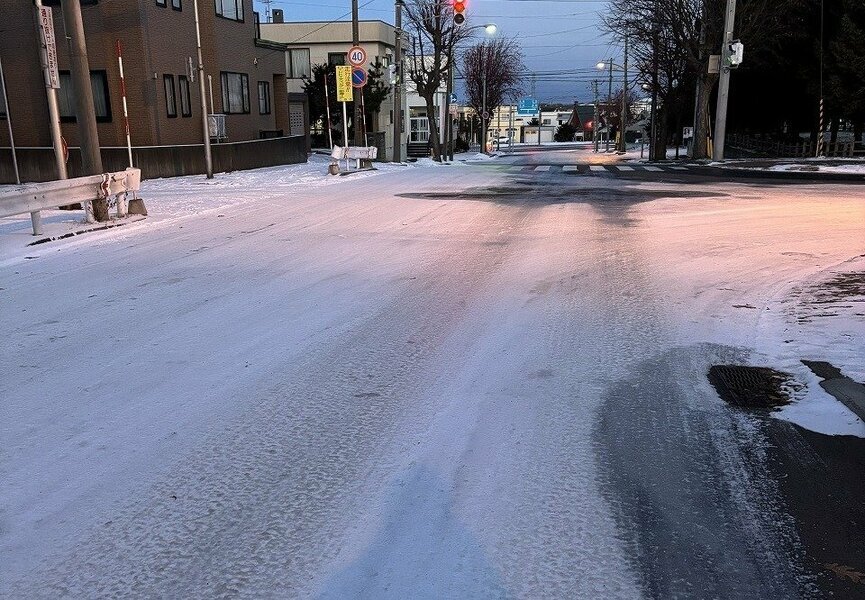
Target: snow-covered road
<point>422,383</point>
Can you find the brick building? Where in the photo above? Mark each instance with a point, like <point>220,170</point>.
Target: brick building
<point>246,80</point>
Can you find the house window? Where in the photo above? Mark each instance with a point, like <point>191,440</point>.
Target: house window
<point>177,4</point>
<point>161,3</point>
<point>230,9</point>
<point>263,98</point>
<point>101,100</point>
<point>235,93</point>
<point>170,97</point>
<point>185,104</point>
<point>298,63</point>
<point>335,58</point>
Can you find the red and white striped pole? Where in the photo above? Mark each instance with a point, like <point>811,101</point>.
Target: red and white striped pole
<point>123,95</point>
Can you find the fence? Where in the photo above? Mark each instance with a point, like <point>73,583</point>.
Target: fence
<point>37,164</point>
<point>769,147</point>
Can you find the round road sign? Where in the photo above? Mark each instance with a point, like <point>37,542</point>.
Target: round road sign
<point>358,77</point>
<point>485,115</point>
<point>356,56</point>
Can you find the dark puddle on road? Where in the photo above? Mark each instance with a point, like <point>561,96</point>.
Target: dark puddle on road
<point>556,193</point>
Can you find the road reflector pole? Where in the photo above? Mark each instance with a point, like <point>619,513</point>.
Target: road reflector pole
<point>121,198</point>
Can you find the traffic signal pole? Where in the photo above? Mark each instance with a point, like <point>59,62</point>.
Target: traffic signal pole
<point>724,82</point>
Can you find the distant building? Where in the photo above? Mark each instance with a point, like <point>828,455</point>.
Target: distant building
<point>315,43</point>
<point>246,82</point>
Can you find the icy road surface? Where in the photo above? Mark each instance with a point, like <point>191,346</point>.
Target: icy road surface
<point>425,383</point>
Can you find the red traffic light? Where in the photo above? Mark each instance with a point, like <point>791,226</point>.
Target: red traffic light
<point>459,9</point>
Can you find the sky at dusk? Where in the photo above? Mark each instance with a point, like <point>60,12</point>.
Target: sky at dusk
<point>561,39</point>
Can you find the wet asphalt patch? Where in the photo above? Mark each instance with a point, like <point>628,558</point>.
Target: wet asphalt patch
<point>751,387</point>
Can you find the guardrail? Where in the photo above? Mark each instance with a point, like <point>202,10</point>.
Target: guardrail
<point>34,197</point>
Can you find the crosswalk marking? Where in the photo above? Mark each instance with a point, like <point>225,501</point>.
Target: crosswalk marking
<point>611,169</point>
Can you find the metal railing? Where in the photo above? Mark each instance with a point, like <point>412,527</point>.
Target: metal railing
<point>34,197</point>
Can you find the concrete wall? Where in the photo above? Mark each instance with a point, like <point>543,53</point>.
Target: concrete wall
<point>37,164</point>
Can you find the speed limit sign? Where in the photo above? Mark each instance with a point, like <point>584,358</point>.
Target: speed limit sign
<point>356,56</point>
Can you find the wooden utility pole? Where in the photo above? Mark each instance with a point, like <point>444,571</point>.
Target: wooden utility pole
<point>85,113</point>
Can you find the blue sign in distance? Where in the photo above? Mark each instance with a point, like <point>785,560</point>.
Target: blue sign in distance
<point>527,106</point>
<point>358,77</point>
<point>453,98</point>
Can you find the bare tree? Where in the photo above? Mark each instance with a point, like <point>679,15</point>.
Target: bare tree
<point>430,56</point>
<point>501,62</point>
<point>674,39</point>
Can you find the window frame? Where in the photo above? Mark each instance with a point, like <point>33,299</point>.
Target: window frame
<point>239,10</point>
<point>226,98</point>
<point>162,3</point>
<point>177,5</point>
<point>185,96</point>
<point>170,110</point>
<point>106,96</point>
<point>334,64</point>
<point>267,104</point>
<point>291,74</point>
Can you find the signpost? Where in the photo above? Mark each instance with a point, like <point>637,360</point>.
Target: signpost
<point>356,56</point>
<point>527,107</point>
<point>344,94</point>
<point>46,31</point>
<point>358,77</point>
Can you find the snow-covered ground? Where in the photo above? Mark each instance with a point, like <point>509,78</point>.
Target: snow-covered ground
<point>407,384</point>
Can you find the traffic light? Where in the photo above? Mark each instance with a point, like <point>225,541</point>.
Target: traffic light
<point>459,11</point>
<point>737,49</point>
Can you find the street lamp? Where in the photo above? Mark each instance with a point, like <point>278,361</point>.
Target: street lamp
<point>610,65</point>
<point>490,29</point>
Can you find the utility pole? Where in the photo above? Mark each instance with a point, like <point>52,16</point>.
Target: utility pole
<point>46,31</point>
<point>821,128</point>
<point>484,109</point>
<point>724,82</point>
<point>595,122</point>
<point>654,126</point>
<point>397,91</point>
<point>356,93</point>
<point>609,104</point>
<point>85,113</point>
<point>446,120</point>
<point>208,157</point>
<point>624,119</point>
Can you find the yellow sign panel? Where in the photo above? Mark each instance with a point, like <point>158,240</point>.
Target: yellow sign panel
<point>343,84</point>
